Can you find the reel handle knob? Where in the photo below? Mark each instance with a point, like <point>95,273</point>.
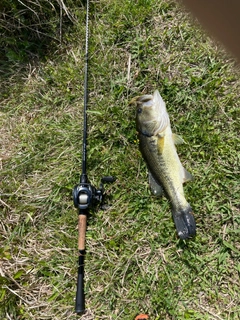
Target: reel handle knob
<point>108,179</point>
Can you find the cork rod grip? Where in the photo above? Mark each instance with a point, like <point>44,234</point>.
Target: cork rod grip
<point>82,226</point>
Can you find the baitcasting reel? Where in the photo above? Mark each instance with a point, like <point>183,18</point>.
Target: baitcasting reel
<point>85,195</point>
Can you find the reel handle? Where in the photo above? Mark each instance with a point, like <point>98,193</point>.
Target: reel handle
<point>108,179</point>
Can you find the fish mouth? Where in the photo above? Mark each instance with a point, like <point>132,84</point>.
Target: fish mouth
<point>141,99</point>
<point>158,115</point>
<point>145,98</point>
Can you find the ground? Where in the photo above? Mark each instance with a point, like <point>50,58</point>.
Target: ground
<point>134,263</point>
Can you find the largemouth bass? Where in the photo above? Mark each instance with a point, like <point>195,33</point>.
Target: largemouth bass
<point>166,173</point>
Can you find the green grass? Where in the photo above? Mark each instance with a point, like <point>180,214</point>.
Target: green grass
<point>135,263</point>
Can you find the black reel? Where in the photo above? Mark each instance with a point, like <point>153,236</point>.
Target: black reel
<point>85,195</point>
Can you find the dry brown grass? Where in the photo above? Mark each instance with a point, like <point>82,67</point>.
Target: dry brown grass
<point>134,261</point>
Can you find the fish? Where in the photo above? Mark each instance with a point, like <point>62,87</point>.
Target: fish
<point>166,173</point>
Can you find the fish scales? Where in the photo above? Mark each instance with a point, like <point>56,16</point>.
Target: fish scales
<point>161,173</point>
<point>157,145</point>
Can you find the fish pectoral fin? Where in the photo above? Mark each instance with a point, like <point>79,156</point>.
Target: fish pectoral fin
<point>187,176</point>
<point>155,187</point>
<point>160,144</point>
<point>177,139</point>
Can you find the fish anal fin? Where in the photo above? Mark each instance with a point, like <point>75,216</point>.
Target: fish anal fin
<point>155,187</point>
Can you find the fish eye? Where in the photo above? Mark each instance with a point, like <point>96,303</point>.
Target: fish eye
<point>139,110</point>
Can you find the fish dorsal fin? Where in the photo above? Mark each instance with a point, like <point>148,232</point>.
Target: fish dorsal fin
<point>187,176</point>
<point>177,139</point>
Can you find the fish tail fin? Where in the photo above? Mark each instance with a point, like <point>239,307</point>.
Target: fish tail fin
<point>184,222</point>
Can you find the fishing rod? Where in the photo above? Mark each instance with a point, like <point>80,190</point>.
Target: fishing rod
<point>85,195</point>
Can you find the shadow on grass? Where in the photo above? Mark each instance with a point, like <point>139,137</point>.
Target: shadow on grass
<point>30,32</point>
